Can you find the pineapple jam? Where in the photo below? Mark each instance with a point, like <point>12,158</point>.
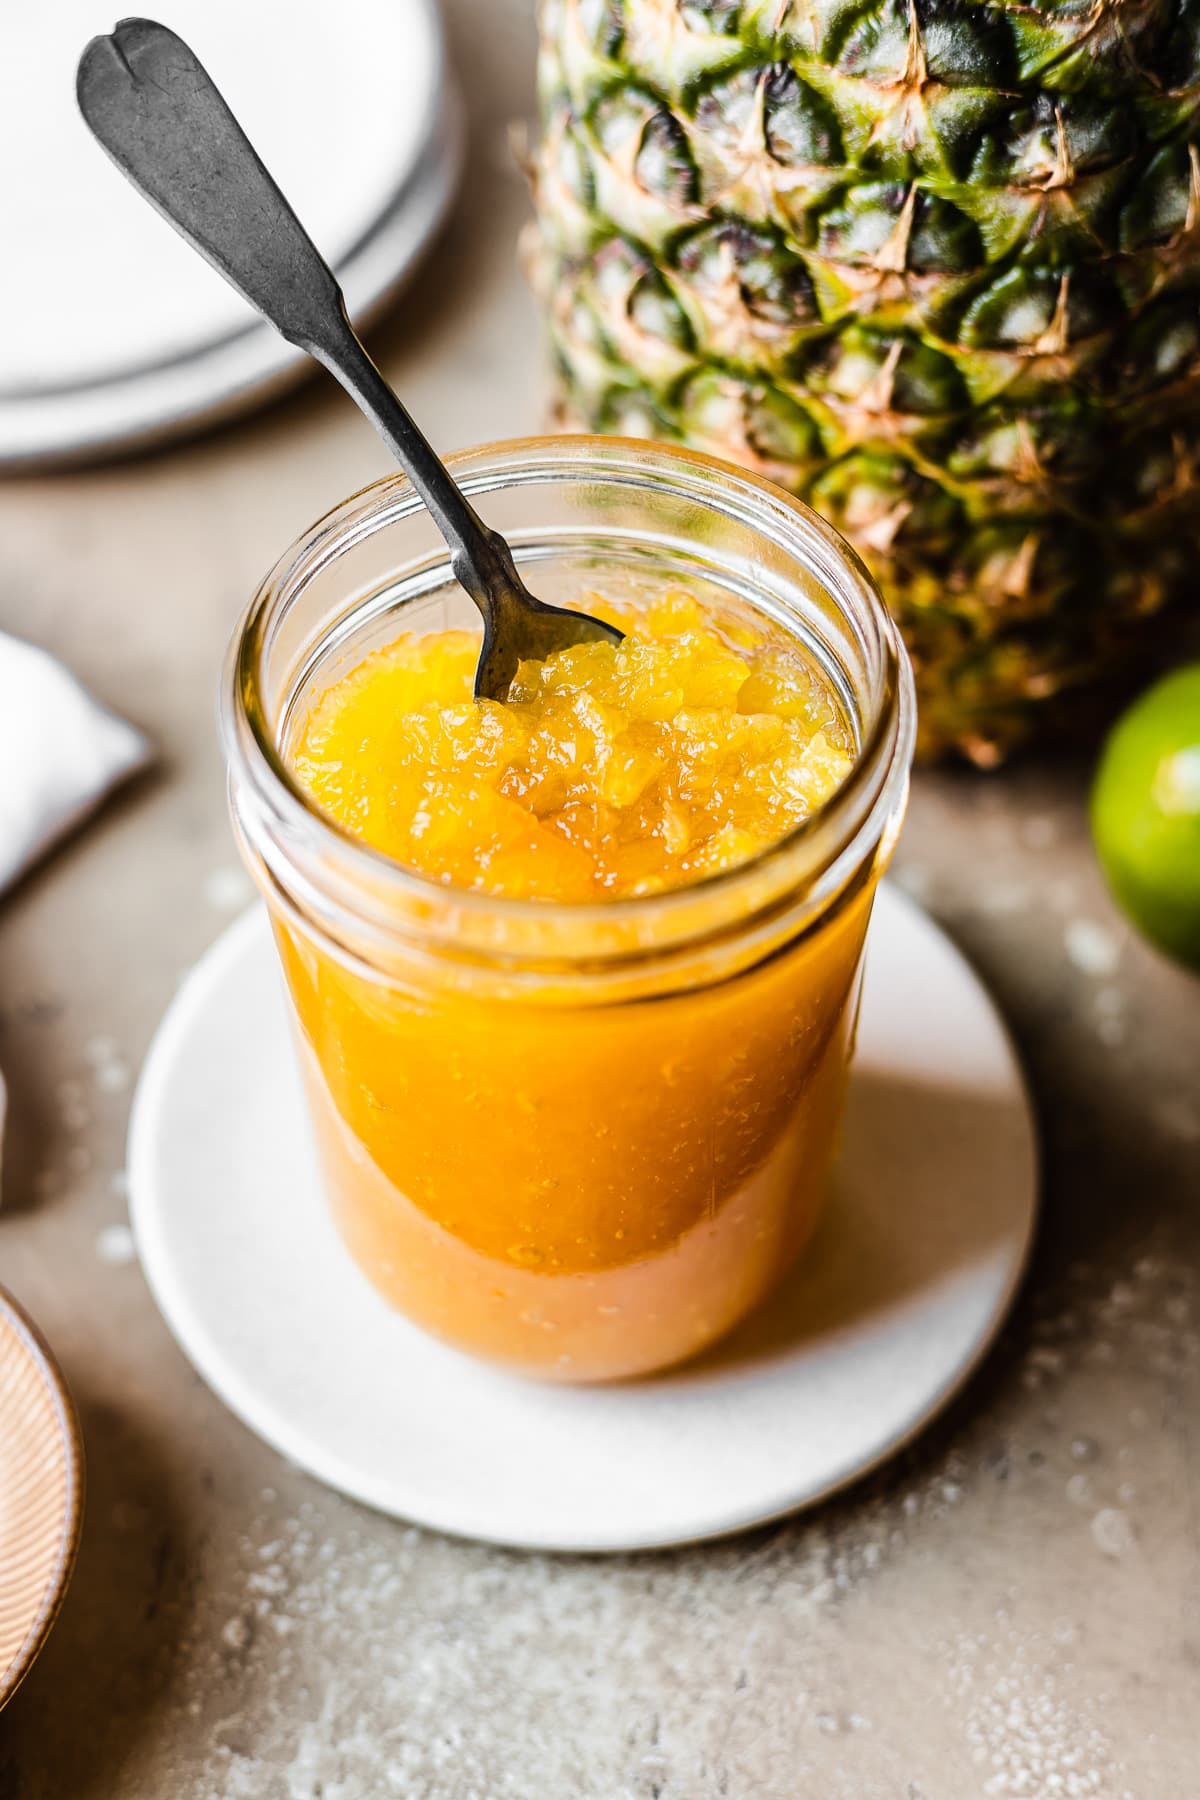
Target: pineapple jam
<point>611,771</point>
<point>583,1189</point>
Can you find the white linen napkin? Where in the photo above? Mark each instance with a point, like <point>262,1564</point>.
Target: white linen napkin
<point>60,753</point>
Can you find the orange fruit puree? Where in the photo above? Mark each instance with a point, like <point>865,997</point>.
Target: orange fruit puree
<point>583,1186</point>
<point>612,769</point>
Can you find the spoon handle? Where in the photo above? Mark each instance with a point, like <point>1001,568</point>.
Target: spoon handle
<point>155,109</point>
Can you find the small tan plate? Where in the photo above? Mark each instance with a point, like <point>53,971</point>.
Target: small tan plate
<point>41,1493</point>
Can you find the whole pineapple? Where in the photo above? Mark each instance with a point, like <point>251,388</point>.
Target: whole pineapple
<point>932,264</point>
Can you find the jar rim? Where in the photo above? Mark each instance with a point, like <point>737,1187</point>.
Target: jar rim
<point>267,796</point>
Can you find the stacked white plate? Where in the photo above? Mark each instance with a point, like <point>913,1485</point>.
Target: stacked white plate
<point>113,332</point>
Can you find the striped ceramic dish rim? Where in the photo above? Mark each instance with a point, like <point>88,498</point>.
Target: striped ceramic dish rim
<point>41,1492</point>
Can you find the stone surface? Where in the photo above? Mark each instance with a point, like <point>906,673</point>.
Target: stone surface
<point>1010,1610</point>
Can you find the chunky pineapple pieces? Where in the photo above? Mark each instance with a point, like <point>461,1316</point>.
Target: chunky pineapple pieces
<point>932,264</point>
<point>611,771</point>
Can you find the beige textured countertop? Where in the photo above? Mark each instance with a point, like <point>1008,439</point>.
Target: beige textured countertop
<point>1013,1608</point>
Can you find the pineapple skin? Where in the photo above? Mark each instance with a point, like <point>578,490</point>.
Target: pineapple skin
<point>934,266</point>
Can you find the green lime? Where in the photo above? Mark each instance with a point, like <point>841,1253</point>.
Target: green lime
<point>1146,813</point>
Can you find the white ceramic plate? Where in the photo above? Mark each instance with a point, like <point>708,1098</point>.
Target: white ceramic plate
<point>113,331</point>
<point>895,1303</point>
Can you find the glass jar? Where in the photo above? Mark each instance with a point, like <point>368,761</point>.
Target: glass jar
<point>583,1140</point>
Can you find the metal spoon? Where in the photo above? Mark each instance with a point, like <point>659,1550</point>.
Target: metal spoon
<point>155,110</point>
